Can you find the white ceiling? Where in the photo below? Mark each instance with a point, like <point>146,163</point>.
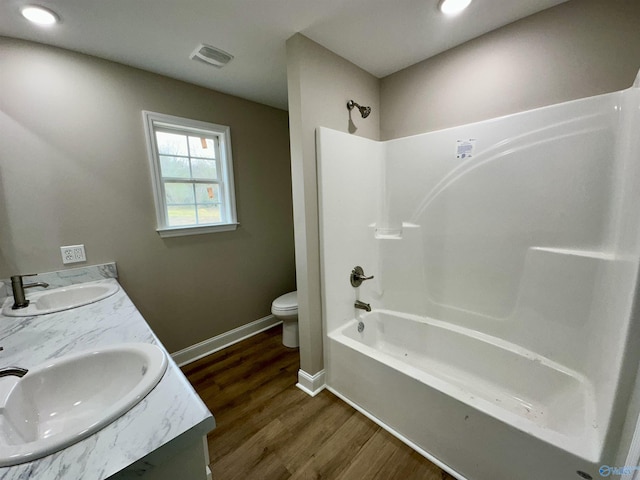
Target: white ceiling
<point>381,36</point>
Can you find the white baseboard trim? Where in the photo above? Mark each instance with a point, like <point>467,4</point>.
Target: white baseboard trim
<point>399,436</point>
<point>217,343</point>
<point>311,384</point>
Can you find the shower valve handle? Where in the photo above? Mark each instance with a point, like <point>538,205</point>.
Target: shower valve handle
<point>358,276</point>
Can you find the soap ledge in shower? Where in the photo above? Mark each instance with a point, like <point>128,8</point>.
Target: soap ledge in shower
<point>578,253</point>
<point>391,233</point>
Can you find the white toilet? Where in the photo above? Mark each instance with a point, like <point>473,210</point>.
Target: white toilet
<point>285,308</point>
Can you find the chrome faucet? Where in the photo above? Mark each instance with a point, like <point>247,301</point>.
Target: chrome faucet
<point>13,372</point>
<point>362,306</point>
<point>19,300</point>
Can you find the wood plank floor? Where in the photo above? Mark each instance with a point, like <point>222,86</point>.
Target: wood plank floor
<point>268,429</point>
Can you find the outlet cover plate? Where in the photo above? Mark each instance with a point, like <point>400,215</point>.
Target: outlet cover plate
<point>73,254</point>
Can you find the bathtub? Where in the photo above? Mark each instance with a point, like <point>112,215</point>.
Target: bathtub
<point>517,272</point>
<point>511,402</point>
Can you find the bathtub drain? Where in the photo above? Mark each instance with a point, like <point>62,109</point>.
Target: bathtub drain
<point>360,327</point>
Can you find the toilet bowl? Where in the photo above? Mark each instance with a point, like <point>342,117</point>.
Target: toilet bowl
<point>285,308</point>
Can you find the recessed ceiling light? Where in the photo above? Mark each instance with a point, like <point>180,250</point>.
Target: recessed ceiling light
<point>39,15</point>
<point>451,7</point>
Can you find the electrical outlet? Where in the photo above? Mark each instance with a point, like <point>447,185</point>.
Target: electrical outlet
<point>73,254</point>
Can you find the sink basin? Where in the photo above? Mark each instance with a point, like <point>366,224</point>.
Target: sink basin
<point>64,298</point>
<point>69,398</point>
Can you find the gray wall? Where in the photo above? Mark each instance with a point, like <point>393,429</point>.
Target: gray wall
<point>320,84</point>
<point>574,50</point>
<point>74,169</point>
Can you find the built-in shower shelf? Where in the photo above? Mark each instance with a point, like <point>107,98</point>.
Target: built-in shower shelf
<point>577,253</point>
<point>384,234</point>
<point>381,233</point>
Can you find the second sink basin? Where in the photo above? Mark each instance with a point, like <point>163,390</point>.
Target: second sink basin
<point>67,399</point>
<point>64,298</point>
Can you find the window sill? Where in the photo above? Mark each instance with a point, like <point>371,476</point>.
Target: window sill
<point>197,230</point>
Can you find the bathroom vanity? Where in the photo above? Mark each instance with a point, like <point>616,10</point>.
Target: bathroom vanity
<point>162,437</point>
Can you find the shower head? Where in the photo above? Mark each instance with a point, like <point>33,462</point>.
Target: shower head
<point>364,111</point>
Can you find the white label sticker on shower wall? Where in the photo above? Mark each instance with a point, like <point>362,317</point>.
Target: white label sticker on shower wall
<point>465,148</point>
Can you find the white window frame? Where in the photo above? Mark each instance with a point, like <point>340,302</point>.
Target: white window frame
<point>223,134</point>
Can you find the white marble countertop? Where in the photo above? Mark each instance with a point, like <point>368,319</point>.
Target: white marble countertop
<point>171,409</point>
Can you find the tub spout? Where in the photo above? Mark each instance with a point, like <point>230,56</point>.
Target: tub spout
<point>362,305</point>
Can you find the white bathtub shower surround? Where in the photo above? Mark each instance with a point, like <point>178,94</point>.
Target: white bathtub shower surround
<point>170,419</point>
<point>504,285</point>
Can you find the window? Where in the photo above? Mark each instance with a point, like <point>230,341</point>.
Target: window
<point>192,174</point>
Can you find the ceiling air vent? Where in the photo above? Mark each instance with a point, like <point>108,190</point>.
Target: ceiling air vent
<point>211,55</point>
